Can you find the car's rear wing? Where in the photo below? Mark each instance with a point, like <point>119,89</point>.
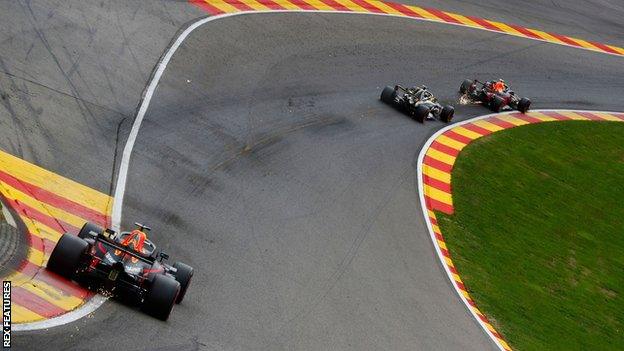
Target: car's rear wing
<point>149,260</point>
<point>400,87</point>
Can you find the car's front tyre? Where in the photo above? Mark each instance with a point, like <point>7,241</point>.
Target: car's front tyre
<point>447,113</point>
<point>523,105</point>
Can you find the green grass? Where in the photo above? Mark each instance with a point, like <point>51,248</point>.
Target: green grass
<point>538,233</point>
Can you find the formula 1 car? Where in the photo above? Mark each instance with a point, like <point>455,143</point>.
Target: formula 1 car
<point>124,265</point>
<point>496,95</point>
<point>418,102</point>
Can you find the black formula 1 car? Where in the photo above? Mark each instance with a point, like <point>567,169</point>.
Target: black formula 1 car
<point>124,265</point>
<point>496,95</point>
<point>418,102</point>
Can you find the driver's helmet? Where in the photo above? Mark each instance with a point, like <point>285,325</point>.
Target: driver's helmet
<point>135,240</point>
<point>499,86</point>
<point>420,91</point>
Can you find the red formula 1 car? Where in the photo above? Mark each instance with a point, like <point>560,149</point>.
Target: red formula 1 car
<point>124,265</point>
<point>494,94</point>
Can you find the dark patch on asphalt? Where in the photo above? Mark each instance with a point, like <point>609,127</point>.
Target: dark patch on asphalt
<point>332,125</point>
<point>163,211</point>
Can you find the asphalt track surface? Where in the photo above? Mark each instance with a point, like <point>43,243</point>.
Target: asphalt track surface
<point>267,162</point>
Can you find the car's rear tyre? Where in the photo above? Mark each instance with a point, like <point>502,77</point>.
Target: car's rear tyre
<point>465,86</point>
<point>66,256</point>
<point>161,297</point>
<point>420,113</point>
<point>497,103</point>
<point>183,275</point>
<point>447,113</point>
<point>387,95</point>
<point>87,229</point>
<point>523,105</point>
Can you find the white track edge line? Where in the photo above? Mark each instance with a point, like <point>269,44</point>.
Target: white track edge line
<point>423,204</point>
<point>87,308</point>
<point>120,187</point>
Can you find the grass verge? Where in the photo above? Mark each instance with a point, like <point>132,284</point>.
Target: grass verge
<point>538,233</point>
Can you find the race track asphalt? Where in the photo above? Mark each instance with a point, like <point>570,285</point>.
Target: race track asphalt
<point>267,162</point>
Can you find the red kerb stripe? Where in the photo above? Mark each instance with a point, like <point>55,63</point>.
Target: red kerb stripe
<point>335,5</point>
<point>618,115</point>
<point>501,123</point>
<point>557,116</point>
<point>40,273</point>
<point>461,285</point>
<point>591,116</point>
<point>302,4</point>
<point>46,219</point>
<point>475,128</point>
<point>368,6</point>
<point>461,138</point>
<point>484,23</point>
<point>439,236</point>
<point>441,15</point>
<point>52,199</point>
<point>437,205</point>
<point>526,118</point>
<point>440,185</point>
<point>436,145</point>
<point>432,162</point>
<point>239,5</point>
<point>64,285</point>
<point>35,242</point>
<point>604,47</point>
<point>42,244</point>
<point>206,7</point>
<point>271,4</point>
<point>35,303</point>
<point>525,31</point>
<point>403,9</point>
<point>565,39</point>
